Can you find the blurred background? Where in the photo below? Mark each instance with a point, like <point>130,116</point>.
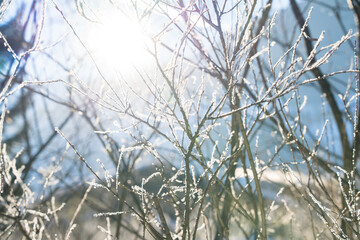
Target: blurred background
<point>122,119</point>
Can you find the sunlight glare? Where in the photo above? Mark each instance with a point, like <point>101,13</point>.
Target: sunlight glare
<point>119,43</point>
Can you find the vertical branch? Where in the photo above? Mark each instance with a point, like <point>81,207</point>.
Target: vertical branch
<point>256,178</point>
<point>327,91</point>
<point>355,6</point>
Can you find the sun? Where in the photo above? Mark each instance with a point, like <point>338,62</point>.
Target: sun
<point>119,42</point>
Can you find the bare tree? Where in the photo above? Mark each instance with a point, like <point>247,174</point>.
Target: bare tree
<point>187,120</point>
